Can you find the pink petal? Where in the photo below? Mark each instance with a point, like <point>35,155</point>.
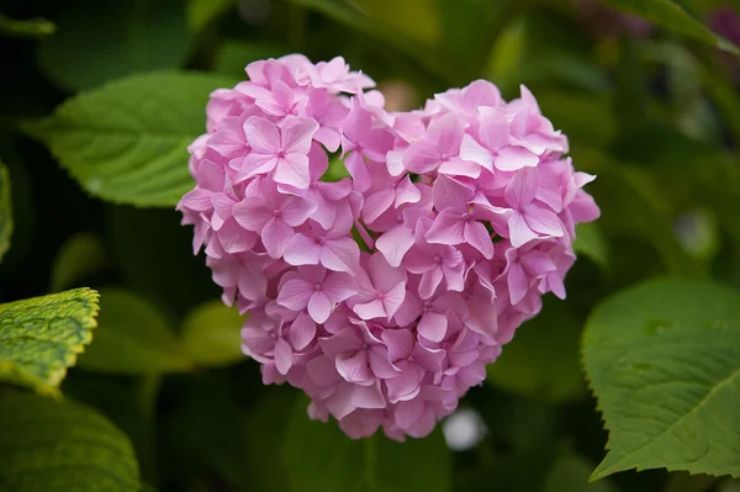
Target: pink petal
<point>448,228</point>
<point>354,369</point>
<point>544,221</point>
<point>470,150</point>
<point>262,134</point>
<point>522,188</point>
<point>275,236</point>
<point>339,286</point>
<point>451,193</point>
<point>319,306</point>
<point>519,231</point>
<point>294,294</point>
<point>430,280</point>
<point>302,250</point>
<point>295,210</point>
<point>302,331</point>
<point>296,134</point>
<point>406,192</point>
<point>433,326</point>
<point>478,237</point>
<point>292,170</point>
<point>516,281</point>
<point>513,158</point>
<point>370,310</point>
<point>376,204</point>
<point>393,299</point>
<point>283,356</point>
<point>395,243</point>
<point>341,255</point>
<point>252,214</point>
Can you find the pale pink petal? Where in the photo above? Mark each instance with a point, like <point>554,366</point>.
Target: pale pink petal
<point>522,188</point>
<point>519,231</point>
<point>393,299</point>
<point>283,356</point>
<point>543,221</point>
<point>302,250</point>
<point>516,281</point>
<point>395,243</point>
<point>275,236</point>
<point>341,255</point>
<point>448,228</point>
<point>295,210</point>
<point>433,326</point>
<point>512,158</point>
<point>252,214</point>
<point>478,237</point>
<point>355,368</point>
<point>262,134</point>
<point>302,331</point>
<point>339,286</point>
<point>319,306</point>
<point>370,310</point>
<point>376,204</point>
<point>297,134</point>
<point>294,294</point>
<point>292,169</point>
<point>406,192</point>
<point>430,280</point>
<point>470,150</point>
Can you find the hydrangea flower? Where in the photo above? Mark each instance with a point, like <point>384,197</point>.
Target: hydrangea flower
<point>385,294</point>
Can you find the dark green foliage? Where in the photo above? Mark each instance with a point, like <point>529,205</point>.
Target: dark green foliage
<point>101,98</point>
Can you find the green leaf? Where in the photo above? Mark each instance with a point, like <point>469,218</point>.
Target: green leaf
<point>570,472</point>
<point>590,242</point>
<point>79,257</point>
<point>211,334</point>
<point>101,41</point>
<point>542,359</point>
<point>319,457</point>
<point>41,337</point>
<point>200,13</point>
<point>663,359</point>
<point>675,17</point>
<point>133,338</point>
<point>6,211</point>
<point>27,28</point>
<point>126,141</point>
<point>61,445</point>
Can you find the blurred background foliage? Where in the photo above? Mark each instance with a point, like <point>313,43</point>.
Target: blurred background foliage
<point>650,104</point>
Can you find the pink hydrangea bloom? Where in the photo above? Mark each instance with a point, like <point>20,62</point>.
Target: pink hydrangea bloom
<point>383,295</point>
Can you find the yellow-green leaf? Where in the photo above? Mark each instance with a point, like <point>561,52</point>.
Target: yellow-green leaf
<point>133,338</point>
<point>211,334</point>
<point>50,445</point>
<point>26,28</point>
<point>41,337</point>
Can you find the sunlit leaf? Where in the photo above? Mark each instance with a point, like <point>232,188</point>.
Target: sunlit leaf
<point>79,257</point>
<point>133,338</point>
<point>61,445</point>
<point>126,141</point>
<point>663,360</point>
<point>100,41</point>
<point>41,337</point>
<point>319,457</point>
<point>211,334</point>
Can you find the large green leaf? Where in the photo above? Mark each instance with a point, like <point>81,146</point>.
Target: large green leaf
<point>211,334</point>
<point>542,359</point>
<point>101,41</point>
<point>41,337</point>
<point>663,359</point>
<point>126,141</point>
<point>674,16</point>
<point>319,457</point>
<point>6,211</point>
<point>50,445</point>
<point>133,338</point>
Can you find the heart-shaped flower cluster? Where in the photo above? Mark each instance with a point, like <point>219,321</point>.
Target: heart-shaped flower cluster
<point>384,294</point>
